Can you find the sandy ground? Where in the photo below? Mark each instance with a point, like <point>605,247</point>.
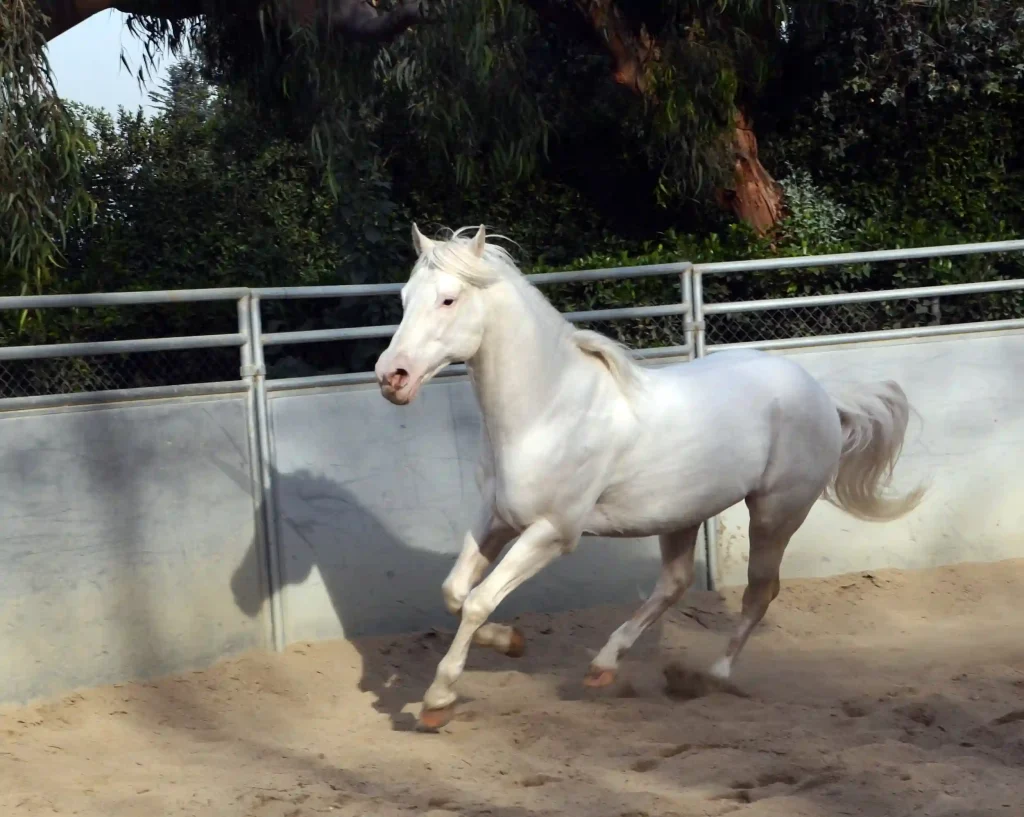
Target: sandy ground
<point>872,694</point>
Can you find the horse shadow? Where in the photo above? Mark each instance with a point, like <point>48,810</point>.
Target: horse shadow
<point>335,551</point>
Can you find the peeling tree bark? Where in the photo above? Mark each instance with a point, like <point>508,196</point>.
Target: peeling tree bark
<point>755,198</point>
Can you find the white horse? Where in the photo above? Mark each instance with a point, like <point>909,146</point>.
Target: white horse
<point>581,439</point>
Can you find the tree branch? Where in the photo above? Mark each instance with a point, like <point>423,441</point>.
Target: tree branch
<point>357,19</point>
<point>66,14</point>
<point>360,20</point>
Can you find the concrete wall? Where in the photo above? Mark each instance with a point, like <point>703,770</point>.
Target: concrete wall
<point>372,504</point>
<point>129,544</point>
<point>968,441</point>
<point>125,532</point>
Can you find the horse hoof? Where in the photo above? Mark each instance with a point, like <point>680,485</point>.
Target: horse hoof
<point>516,644</point>
<point>597,677</point>
<point>433,719</point>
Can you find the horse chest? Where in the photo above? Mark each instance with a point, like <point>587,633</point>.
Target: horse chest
<point>527,487</point>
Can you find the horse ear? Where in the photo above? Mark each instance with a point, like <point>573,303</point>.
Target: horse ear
<point>479,242</point>
<point>420,242</point>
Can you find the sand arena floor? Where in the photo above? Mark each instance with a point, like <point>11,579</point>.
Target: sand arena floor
<point>883,694</point>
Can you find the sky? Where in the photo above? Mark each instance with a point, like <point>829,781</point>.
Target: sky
<point>86,63</point>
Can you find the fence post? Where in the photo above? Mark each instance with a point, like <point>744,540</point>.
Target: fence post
<point>700,340</point>
<point>700,350</point>
<point>247,372</point>
<point>252,374</point>
<point>257,374</point>
<point>686,287</point>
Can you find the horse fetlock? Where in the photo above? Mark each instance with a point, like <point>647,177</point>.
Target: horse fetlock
<point>439,696</point>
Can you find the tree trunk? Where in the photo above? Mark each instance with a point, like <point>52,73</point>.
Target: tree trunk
<point>755,198</point>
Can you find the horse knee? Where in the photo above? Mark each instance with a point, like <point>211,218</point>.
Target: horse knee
<point>475,610</point>
<point>454,597</point>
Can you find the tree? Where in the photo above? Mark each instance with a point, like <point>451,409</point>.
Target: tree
<point>660,52</point>
<point>320,69</point>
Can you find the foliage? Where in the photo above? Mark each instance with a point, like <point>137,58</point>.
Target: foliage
<point>495,93</point>
<point>908,113</point>
<point>42,149</point>
<point>199,196</point>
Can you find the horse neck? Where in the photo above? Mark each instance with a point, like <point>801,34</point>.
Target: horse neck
<point>522,359</point>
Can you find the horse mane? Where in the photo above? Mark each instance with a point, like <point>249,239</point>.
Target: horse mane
<point>456,257</point>
<point>617,357</point>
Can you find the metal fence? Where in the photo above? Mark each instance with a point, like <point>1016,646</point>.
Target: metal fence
<point>232,361</point>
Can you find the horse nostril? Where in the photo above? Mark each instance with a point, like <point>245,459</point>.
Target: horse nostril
<point>398,378</point>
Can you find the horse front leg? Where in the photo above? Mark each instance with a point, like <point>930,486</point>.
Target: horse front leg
<point>537,547</point>
<point>480,548</point>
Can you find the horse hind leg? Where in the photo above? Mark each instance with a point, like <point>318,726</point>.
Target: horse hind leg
<point>677,554</point>
<point>774,518</point>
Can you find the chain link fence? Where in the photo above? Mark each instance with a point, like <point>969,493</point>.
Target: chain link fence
<point>842,319</point>
<point>642,333</point>
<point>815,321</point>
<point>70,375</point>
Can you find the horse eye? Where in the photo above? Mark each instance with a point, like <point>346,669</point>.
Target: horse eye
<point>448,301</point>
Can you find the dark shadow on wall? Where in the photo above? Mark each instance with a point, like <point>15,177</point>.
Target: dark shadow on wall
<point>380,585</point>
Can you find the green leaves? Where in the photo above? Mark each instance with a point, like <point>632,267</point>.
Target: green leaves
<point>42,148</point>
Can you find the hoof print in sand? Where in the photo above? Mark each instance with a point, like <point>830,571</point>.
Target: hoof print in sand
<point>535,780</point>
<point>853,709</point>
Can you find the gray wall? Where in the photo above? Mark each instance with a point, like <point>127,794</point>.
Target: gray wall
<point>124,529</point>
<point>372,504</point>
<point>130,544</point>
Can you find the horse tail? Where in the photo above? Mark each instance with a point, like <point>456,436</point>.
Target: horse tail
<point>874,424</point>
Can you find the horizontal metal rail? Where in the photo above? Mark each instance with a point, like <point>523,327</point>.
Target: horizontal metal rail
<point>96,299</point>
<point>116,347</point>
<point>838,299</point>
<point>610,274</point>
<point>871,257</point>
<point>387,330</point>
<point>326,335</point>
<point>653,354</point>
<point>539,279</point>
<point>880,335</point>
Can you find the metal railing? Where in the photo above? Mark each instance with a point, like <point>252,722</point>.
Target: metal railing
<point>934,293</point>
<point>692,310</point>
